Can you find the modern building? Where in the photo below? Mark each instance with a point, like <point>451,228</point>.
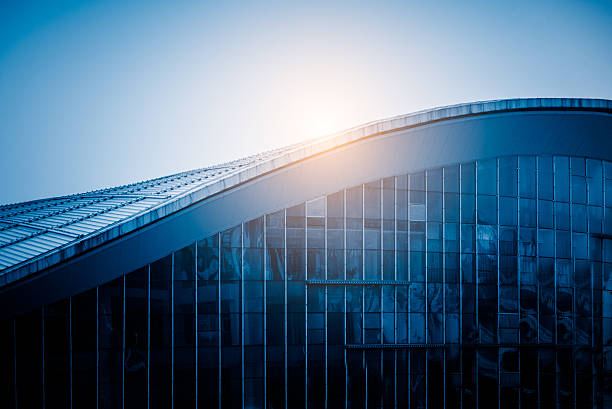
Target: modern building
<point>459,257</point>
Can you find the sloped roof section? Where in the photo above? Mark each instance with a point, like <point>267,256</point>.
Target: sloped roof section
<point>39,234</point>
<point>33,229</point>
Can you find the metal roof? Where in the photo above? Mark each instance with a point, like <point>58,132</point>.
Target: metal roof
<point>41,233</point>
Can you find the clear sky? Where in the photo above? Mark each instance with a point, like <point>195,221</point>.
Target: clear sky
<point>102,93</point>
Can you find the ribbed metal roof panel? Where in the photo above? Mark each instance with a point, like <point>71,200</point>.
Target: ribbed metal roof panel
<point>78,230</point>
<point>15,233</point>
<point>55,238</point>
<point>16,253</point>
<point>6,260</point>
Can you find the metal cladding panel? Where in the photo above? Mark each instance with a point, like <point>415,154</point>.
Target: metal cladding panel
<point>16,253</point>
<point>88,224</point>
<point>22,248</point>
<point>54,239</point>
<point>78,230</point>
<point>8,258</point>
<point>11,256</point>
<point>41,243</point>
<point>23,218</point>
<point>91,219</point>
<point>102,219</point>
<point>13,233</point>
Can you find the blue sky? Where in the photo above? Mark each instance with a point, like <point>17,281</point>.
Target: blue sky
<point>102,93</point>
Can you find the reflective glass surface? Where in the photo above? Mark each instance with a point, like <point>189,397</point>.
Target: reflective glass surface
<point>476,285</point>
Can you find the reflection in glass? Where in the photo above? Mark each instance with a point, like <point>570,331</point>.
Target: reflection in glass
<point>474,285</point>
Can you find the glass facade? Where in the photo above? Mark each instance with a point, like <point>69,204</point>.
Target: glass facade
<point>476,285</point>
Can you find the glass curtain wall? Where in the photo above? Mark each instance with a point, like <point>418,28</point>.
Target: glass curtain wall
<point>477,285</point>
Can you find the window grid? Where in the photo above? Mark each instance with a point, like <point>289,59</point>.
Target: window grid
<point>561,226</point>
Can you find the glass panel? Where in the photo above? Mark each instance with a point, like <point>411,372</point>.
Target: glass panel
<point>335,236</point>
<point>372,234</point>
<point>354,233</point>
<point>508,181</point>
<point>527,176</point>
<point>388,229</point>
<point>545,214</point>
<point>354,314</point>
<point>527,212</point>
<point>545,178</point>
<point>296,243</point>
<point>275,310</point>
<point>451,207</point>
<point>562,216</point>
<point>136,334</point>
<point>561,169</point>
<point>579,218</point>
<point>388,324</point>
<point>254,233</point>
<point>253,263</point>
<point>356,378</point>
<point>402,227</point>
<point>316,347</point>
<point>208,259</point>
<point>372,317</point>
<point>160,360</point>
<point>110,333</point>
<point>594,182</point>
<point>488,382</point>
<point>595,219</point>
<point>184,327</point>
<point>296,262</point>
<point>468,208</point>
<point>579,189</point>
<point>546,240</point>
<point>253,366</point>
<point>296,338</point>
<point>208,320</point>
<point>487,176</point>
<point>434,180</point>
<point>231,260</point>
<point>373,378</point>
<point>388,379</point>
<point>418,364</point>
<point>565,378</point>
<point>451,179</point>
<point>57,354</point>
<point>335,346</point>
<point>487,209</point>
<point>434,206</point>
<point>435,318</point>
<point>7,362</point>
<point>29,358</point>
<point>275,230</point>
<point>468,178</point>
<point>84,339</point>
<point>253,253</point>
<point>231,377</point>
<point>507,211</point>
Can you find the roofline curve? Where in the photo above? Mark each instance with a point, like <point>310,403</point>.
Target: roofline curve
<point>287,157</point>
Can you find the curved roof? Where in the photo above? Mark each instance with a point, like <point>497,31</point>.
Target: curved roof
<point>38,234</point>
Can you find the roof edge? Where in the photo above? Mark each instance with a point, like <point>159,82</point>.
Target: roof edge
<point>297,153</point>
